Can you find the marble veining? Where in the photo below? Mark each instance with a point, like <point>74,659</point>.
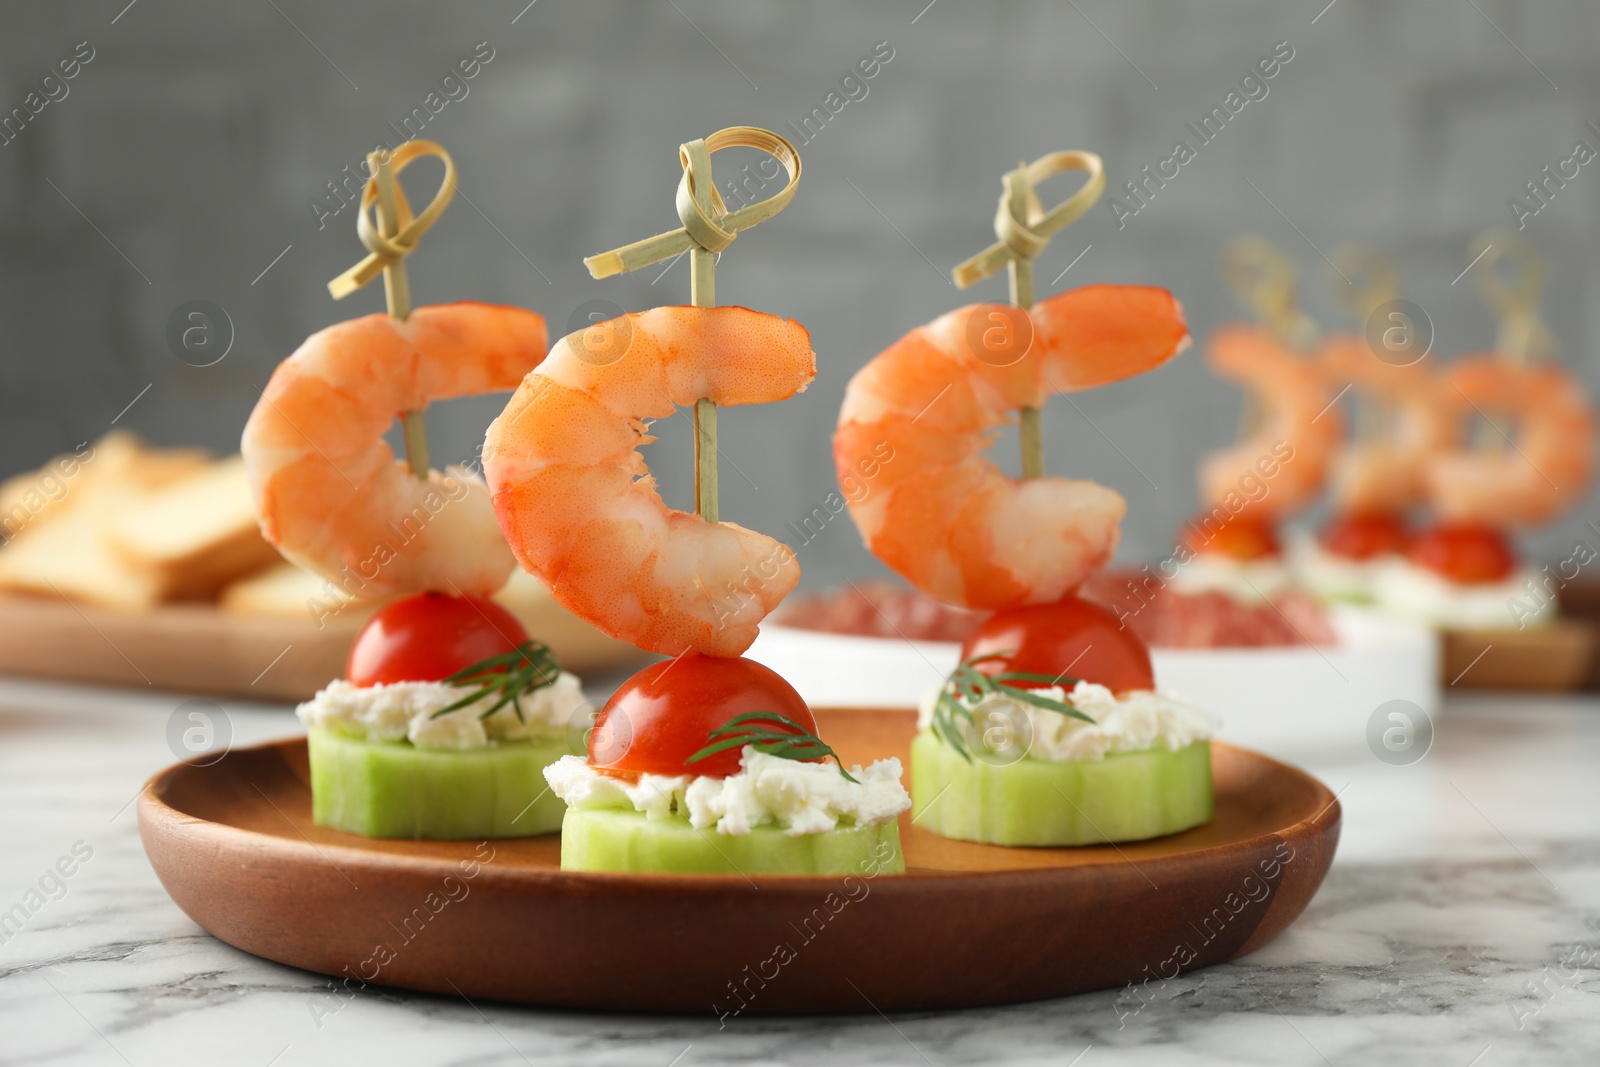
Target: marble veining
<point>1460,925</point>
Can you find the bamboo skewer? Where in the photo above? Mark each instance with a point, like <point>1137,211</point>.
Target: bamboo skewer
<point>708,228</point>
<point>1024,229</point>
<point>397,293</point>
<point>388,243</point>
<point>1521,337</point>
<point>1365,280</point>
<point>1265,282</point>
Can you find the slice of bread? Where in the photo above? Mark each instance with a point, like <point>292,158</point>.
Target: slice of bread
<point>197,533</point>
<point>64,552</point>
<point>36,496</point>
<point>284,590</point>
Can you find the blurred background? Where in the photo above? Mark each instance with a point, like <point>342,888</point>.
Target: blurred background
<point>195,155</point>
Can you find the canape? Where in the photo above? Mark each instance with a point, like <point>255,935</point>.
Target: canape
<point>1051,732</point>
<point>712,765</point>
<point>442,727</point>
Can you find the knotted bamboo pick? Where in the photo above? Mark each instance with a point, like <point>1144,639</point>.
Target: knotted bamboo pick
<point>1265,282</point>
<point>388,243</point>
<point>1366,279</point>
<point>1515,303</point>
<point>708,227</point>
<point>1024,229</point>
<point>1521,337</point>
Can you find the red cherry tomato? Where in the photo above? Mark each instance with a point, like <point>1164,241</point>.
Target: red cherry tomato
<point>665,714</point>
<point>1465,552</point>
<point>1074,637</point>
<point>429,637</point>
<point>1244,537</point>
<point>1361,535</point>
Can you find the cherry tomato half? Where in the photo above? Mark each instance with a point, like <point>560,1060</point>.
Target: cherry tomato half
<point>1244,537</point>
<point>429,637</point>
<point>1361,535</point>
<point>1072,637</point>
<point>665,714</point>
<point>1465,552</point>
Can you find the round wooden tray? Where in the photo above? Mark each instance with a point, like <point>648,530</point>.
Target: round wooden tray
<point>967,925</point>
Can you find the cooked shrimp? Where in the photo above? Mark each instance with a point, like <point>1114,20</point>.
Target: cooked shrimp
<point>1543,471</point>
<point>918,417</point>
<point>328,491</point>
<point>1414,422</point>
<point>1294,406</point>
<point>580,509</point>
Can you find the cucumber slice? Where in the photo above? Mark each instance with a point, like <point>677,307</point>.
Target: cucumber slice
<point>615,839</point>
<point>1124,797</point>
<point>394,789</point>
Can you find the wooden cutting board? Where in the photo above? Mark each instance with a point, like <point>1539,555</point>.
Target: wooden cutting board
<point>198,648</point>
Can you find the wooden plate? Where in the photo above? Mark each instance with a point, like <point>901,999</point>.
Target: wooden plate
<point>198,648</point>
<point>966,925</point>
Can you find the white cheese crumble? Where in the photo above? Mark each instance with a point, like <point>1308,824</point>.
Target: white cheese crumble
<point>404,711</point>
<point>1252,581</point>
<point>799,798</point>
<point>1419,593</point>
<point>1139,720</point>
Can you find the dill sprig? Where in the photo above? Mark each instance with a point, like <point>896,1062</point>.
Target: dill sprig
<point>513,675</point>
<point>754,728</point>
<point>968,686</point>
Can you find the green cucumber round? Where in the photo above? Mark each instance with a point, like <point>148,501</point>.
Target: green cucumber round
<point>616,839</point>
<point>394,789</point>
<point>1127,796</point>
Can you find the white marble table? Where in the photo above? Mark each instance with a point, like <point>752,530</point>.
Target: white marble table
<point>1460,925</point>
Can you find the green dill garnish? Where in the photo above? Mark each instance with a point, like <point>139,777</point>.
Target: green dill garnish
<point>754,728</point>
<point>967,686</point>
<point>512,675</point>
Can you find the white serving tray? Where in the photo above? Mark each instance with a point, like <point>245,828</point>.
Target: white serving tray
<point>1298,703</point>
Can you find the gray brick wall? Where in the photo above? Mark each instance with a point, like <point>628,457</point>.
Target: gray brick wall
<point>185,155</point>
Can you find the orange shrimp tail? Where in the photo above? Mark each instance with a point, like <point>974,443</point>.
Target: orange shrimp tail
<point>918,418</point>
<point>1101,334</point>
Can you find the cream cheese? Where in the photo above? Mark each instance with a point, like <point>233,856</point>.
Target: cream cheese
<point>799,798</point>
<point>404,711</point>
<point>1140,720</point>
<point>1254,581</point>
<point>1417,592</point>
